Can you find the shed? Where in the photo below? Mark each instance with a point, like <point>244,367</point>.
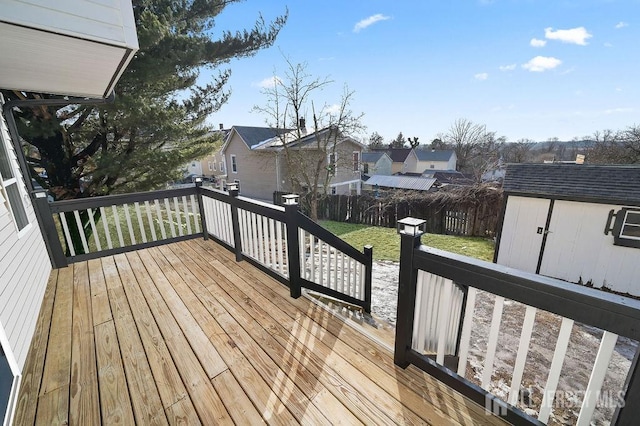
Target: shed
<point>579,223</point>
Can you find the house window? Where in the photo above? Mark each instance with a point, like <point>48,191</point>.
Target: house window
<point>365,168</point>
<point>626,228</point>
<point>210,166</point>
<point>234,164</point>
<point>432,166</point>
<point>222,167</point>
<point>238,182</point>
<point>331,163</point>
<point>213,165</point>
<point>356,161</point>
<point>9,189</point>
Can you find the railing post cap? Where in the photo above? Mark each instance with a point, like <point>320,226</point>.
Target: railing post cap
<point>411,226</point>
<point>291,199</point>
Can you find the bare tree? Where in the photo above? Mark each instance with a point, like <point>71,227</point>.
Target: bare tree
<point>518,152</point>
<point>621,147</point>
<point>465,136</point>
<point>311,151</point>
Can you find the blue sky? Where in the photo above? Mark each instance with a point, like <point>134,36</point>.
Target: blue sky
<point>525,68</point>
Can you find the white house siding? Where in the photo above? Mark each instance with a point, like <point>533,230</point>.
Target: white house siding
<point>520,241</point>
<point>577,249</point>
<point>410,164</point>
<point>24,271</point>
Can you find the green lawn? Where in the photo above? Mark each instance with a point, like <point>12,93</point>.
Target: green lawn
<point>386,242</point>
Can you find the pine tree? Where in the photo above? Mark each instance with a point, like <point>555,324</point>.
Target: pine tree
<point>398,142</point>
<point>157,122</point>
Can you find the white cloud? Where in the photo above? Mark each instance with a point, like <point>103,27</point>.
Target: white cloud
<point>536,42</point>
<point>541,63</point>
<point>577,35</point>
<point>509,67</point>
<point>608,45</point>
<point>621,25</point>
<point>268,82</point>
<point>481,76</point>
<point>369,21</point>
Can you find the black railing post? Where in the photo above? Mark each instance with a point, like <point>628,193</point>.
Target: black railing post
<point>291,208</point>
<point>410,232</point>
<point>203,221</point>
<point>235,222</point>
<point>628,412</point>
<point>368,252</point>
<point>48,229</point>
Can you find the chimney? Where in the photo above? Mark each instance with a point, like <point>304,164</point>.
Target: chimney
<point>221,126</point>
<point>302,124</point>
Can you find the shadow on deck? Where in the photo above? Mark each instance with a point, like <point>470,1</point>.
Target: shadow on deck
<point>181,333</point>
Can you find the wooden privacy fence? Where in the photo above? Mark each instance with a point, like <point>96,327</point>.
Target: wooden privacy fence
<point>281,241</point>
<point>478,217</point>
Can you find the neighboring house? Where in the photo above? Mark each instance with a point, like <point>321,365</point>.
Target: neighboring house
<point>579,223</point>
<point>255,158</point>
<point>376,163</point>
<point>403,159</point>
<point>213,164</point>
<point>399,182</point>
<point>435,159</point>
<point>46,47</point>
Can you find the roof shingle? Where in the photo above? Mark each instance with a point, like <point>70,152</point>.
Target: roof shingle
<point>580,182</point>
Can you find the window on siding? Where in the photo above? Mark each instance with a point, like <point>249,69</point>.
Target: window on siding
<point>356,161</point>
<point>626,228</point>
<point>213,165</point>
<point>331,163</point>
<point>365,168</point>
<point>210,166</point>
<point>234,164</point>
<point>222,167</point>
<point>238,182</point>
<point>10,190</point>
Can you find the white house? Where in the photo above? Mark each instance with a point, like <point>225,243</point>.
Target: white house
<point>435,159</point>
<point>75,48</point>
<point>579,223</point>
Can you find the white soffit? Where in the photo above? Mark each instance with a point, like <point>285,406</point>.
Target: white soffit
<point>69,47</point>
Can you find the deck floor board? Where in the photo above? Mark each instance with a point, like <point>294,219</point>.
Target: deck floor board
<point>183,334</point>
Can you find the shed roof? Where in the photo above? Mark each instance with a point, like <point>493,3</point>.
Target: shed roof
<point>578,182</point>
<point>434,155</point>
<point>401,182</point>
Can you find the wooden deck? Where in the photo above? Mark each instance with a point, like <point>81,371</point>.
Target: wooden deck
<point>184,334</point>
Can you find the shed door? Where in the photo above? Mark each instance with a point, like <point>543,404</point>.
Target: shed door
<point>522,231</point>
